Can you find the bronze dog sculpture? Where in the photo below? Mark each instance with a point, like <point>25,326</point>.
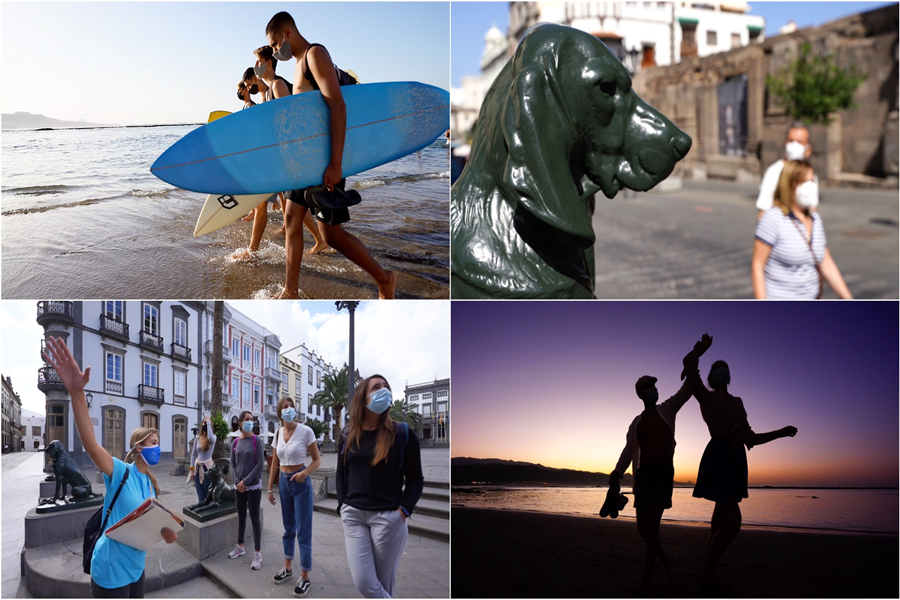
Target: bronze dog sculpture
<point>559,124</point>
<point>220,492</point>
<point>66,473</point>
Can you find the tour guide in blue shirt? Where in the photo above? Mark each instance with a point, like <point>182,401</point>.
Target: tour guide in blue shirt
<point>117,570</point>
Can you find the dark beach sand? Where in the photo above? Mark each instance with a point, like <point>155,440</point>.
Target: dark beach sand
<point>520,554</point>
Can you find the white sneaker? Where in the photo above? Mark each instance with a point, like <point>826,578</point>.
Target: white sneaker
<point>238,551</point>
<point>257,561</point>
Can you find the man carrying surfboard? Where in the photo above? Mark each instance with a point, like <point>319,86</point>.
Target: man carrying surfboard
<point>315,71</point>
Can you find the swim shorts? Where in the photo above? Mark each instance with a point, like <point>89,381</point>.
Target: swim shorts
<point>653,486</point>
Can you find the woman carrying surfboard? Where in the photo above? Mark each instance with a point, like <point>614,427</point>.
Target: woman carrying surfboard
<point>315,70</point>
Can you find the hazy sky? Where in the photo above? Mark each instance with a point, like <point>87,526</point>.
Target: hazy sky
<point>406,341</point>
<point>553,383</point>
<point>175,62</point>
<point>471,20</point>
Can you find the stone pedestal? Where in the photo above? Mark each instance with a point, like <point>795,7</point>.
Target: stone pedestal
<point>48,488</point>
<point>202,516</point>
<point>206,539</point>
<point>95,502</point>
<point>43,529</point>
<point>323,481</point>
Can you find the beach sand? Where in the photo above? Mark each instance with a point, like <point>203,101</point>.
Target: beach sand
<point>520,554</point>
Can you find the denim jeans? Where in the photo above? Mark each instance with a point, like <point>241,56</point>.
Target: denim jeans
<point>202,488</point>
<point>296,513</point>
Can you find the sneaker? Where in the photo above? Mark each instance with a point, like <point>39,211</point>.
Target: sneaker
<point>257,561</point>
<point>302,587</point>
<point>238,551</point>
<point>283,575</point>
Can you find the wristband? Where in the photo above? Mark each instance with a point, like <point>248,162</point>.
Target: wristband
<point>270,491</point>
<point>405,512</point>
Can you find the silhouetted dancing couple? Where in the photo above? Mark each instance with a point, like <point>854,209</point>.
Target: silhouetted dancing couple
<point>722,476</point>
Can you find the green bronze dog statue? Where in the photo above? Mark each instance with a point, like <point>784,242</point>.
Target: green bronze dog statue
<point>559,124</point>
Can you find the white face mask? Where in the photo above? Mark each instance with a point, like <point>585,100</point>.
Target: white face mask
<point>807,194</point>
<point>794,151</point>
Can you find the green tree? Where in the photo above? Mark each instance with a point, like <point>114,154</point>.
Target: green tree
<point>317,426</point>
<point>813,86</point>
<point>334,395</point>
<point>402,412</point>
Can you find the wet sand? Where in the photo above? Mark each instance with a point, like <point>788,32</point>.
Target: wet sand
<point>518,554</point>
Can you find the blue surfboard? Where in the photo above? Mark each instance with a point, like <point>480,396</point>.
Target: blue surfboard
<point>285,144</point>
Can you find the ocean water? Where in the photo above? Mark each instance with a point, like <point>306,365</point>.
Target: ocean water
<point>841,510</point>
<point>83,217</point>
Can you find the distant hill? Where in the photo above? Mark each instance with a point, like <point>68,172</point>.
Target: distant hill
<point>495,471</point>
<point>26,120</point>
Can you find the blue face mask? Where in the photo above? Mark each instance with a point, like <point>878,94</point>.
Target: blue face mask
<point>151,454</point>
<point>651,394</point>
<point>248,426</point>
<point>288,415</point>
<point>720,377</point>
<point>381,400</point>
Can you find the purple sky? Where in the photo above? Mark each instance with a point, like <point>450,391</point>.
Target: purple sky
<point>553,383</point>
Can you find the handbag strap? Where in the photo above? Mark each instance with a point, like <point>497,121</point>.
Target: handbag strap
<point>796,223</point>
<point>115,497</point>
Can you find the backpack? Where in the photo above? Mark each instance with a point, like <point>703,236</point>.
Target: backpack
<point>343,77</point>
<point>94,529</point>
<point>403,428</point>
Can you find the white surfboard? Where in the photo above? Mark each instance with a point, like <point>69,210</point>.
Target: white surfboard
<point>220,210</point>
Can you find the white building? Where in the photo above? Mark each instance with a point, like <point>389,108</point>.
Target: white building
<point>306,371</point>
<point>466,100</point>
<point>432,401</point>
<point>146,371</point>
<point>33,426</point>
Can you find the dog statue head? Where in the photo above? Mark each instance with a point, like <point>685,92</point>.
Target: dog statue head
<point>55,450</point>
<point>560,123</point>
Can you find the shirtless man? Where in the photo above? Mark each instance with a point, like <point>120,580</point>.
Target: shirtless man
<point>315,71</point>
<point>651,445</point>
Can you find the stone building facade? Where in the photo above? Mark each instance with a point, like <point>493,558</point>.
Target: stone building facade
<point>12,417</point>
<point>431,400</point>
<point>738,128</point>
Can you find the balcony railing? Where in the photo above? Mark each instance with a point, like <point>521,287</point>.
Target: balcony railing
<point>48,379</point>
<point>180,400</point>
<point>153,395</point>
<point>55,311</point>
<point>273,373</point>
<point>181,352</point>
<point>226,351</point>
<point>270,410</point>
<point>114,387</point>
<point>113,327</point>
<point>151,341</point>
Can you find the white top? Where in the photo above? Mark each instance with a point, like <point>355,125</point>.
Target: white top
<point>769,184</point>
<point>667,411</point>
<point>294,451</point>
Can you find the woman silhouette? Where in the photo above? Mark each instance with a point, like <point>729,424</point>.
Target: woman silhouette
<point>722,476</point>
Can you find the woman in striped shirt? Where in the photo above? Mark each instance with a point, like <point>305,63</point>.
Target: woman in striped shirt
<point>790,254</point>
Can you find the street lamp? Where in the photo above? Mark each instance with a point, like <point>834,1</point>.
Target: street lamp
<point>350,305</point>
<point>89,397</point>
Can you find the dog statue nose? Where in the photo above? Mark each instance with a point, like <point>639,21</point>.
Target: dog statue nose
<point>682,143</point>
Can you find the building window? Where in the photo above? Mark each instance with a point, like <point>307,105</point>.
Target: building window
<point>309,404</point>
<point>318,410</point>
<point>309,374</point>
<point>297,387</point>
<point>414,398</point>
<point>151,319</point>
<point>151,372</point>
<point>426,410</point>
<point>180,388</point>
<point>257,358</point>
<point>235,386</point>
<point>711,39</point>
<point>427,396</point>
<point>35,431</point>
<point>114,309</point>
<point>735,40</point>
<point>150,420</point>
<point>284,379</point>
<point>246,394</point>
<point>318,380</point>
<point>114,370</point>
<point>442,407</point>
<point>247,354</point>
<point>181,332</point>
<point>256,394</point>
<point>235,347</point>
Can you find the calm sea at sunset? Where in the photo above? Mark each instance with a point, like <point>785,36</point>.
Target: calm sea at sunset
<point>846,510</point>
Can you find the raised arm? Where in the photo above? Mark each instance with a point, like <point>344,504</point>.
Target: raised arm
<point>60,358</point>
<point>692,369</point>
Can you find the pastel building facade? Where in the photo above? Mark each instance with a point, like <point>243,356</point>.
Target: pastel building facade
<point>305,372</point>
<point>33,427</point>
<point>432,401</point>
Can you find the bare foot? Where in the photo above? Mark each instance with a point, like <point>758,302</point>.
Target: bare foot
<point>280,230</point>
<point>318,248</point>
<point>386,291</point>
<point>288,295</point>
<point>248,217</point>
<point>243,255</point>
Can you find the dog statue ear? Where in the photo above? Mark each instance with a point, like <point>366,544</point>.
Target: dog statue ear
<point>540,136</point>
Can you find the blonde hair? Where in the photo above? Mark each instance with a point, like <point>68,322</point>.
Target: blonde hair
<point>203,436</point>
<point>792,175</point>
<point>138,436</point>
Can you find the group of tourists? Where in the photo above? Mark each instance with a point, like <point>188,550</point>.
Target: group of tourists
<point>722,474</point>
<point>379,482</point>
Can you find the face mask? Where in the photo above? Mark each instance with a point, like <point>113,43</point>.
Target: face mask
<point>260,70</point>
<point>285,52</point>
<point>150,454</point>
<point>248,426</point>
<point>720,377</point>
<point>381,400</point>
<point>651,394</point>
<point>794,151</point>
<point>807,194</point>
<point>254,89</point>
<point>288,415</point>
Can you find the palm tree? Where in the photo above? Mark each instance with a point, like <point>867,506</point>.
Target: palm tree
<point>401,411</point>
<point>335,396</point>
<point>317,426</point>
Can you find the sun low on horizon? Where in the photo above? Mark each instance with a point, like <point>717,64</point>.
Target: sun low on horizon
<point>553,384</point>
